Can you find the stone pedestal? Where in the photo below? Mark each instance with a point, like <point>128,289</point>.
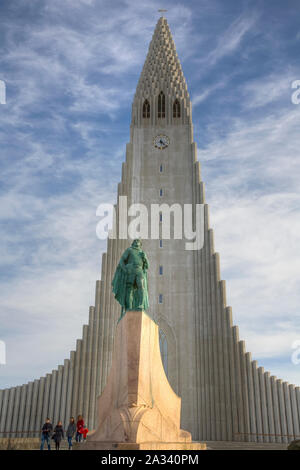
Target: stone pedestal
<point>138,408</point>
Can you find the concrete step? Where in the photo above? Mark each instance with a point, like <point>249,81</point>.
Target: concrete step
<point>231,445</point>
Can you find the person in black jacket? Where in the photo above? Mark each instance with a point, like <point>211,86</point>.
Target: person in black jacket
<point>58,434</point>
<point>46,432</point>
<point>71,431</point>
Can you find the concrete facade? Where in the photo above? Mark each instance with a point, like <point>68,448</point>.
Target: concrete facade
<point>225,395</point>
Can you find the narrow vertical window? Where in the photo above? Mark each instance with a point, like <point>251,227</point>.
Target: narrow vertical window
<point>160,243</point>
<point>161,168</point>
<point>163,350</point>
<point>160,299</point>
<point>146,109</point>
<point>161,270</point>
<point>160,217</point>
<point>176,109</point>
<point>160,192</point>
<point>161,105</point>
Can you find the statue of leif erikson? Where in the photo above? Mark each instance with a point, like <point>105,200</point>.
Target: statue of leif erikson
<point>130,282</point>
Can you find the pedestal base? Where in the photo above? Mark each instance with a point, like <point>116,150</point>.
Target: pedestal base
<point>138,408</point>
<point>138,404</point>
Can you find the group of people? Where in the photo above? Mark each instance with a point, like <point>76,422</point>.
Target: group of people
<point>78,429</point>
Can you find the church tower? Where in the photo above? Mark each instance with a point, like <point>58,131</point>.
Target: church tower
<point>160,169</point>
<point>225,395</point>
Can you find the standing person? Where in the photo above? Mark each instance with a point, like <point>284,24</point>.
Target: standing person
<point>84,432</point>
<point>46,431</point>
<point>71,431</point>
<point>80,426</point>
<point>58,434</point>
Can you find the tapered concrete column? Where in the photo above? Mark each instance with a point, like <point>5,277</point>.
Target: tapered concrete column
<point>88,365</point>
<point>107,351</point>
<point>57,398</point>
<point>46,399</point>
<point>209,334</point>
<point>238,384</point>
<point>232,372</point>
<point>203,410</point>
<point>63,400</point>
<point>288,410</point>
<point>112,306</point>
<point>276,410</point>
<point>216,379</point>
<point>224,352</point>
<point>1,405</point>
<point>270,406</point>
<point>52,397</point>
<point>16,411</point>
<point>264,413</point>
<point>244,384</point>
<point>297,394</point>
<point>295,415</point>
<point>102,324</point>
<point>39,412</point>
<point>70,387</point>
<point>253,429</point>
<point>283,420</point>
<point>82,383</point>
<point>28,409</point>
<point>33,409</point>
<point>10,409</point>
<point>257,396</point>
<point>21,417</point>
<point>75,392</point>
<point>95,355</point>
<point>4,406</point>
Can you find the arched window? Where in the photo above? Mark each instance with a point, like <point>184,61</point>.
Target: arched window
<point>176,109</point>
<point>146,109</point>
<point>163,350</point>
<point>161,105</point>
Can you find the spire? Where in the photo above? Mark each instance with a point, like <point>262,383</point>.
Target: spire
<point>162,70</point>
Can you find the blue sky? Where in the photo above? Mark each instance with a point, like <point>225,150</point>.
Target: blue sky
<point>71,68</point>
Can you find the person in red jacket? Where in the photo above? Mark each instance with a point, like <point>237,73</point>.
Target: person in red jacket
<point>79,427</point>
<point>84,432</point>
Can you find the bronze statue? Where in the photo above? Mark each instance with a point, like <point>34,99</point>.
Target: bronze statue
<point>130,282</point>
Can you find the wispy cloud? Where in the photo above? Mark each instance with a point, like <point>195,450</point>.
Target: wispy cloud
<point>231,38</point>
<point>269,89</point>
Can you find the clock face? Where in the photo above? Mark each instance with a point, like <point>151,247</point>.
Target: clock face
<point>161,142</point>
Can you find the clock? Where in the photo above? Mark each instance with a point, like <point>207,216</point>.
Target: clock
<point>161,142</point>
